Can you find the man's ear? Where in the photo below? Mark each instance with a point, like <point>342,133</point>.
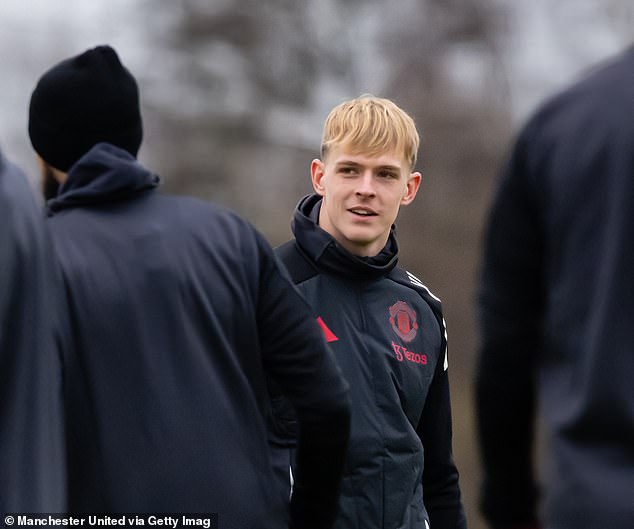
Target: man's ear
<point>317,176</point>
<point>411,188</point>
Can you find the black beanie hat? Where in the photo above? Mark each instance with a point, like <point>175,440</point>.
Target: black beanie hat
<point>82,101</point>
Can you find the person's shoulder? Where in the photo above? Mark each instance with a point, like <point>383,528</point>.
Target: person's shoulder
<point>205,213</point>
<point>611,73</point>
<point>195,205</point>
<point>213,225</point>
<point>605,85</point>
<point>408,279</point>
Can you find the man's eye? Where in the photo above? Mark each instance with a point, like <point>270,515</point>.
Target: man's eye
<point>387,174</point>
<point>347,170</point>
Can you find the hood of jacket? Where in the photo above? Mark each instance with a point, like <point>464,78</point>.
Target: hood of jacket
<point>328,254</point>
<point>104,174</point>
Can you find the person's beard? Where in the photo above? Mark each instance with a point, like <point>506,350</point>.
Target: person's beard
<point>50,186</point>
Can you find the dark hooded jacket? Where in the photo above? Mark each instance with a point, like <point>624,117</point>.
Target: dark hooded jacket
<point>178,310</point>
<point>387,332</point>
<point>557,312</point>
<point>31,426</point>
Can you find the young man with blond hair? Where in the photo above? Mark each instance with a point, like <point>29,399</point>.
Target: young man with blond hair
<point>384,326</point>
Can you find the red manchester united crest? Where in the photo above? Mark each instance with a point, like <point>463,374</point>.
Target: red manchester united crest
<point>403,321</point>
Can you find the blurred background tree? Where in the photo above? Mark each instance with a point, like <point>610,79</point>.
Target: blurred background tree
<point>234,94</point>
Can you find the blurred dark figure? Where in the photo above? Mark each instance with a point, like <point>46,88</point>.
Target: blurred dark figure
<point>557,313</point>
<point>31,427</point>
<point>178,312</point>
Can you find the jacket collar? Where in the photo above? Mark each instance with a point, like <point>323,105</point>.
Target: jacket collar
<point>104,174</point>
<point>329,255</point>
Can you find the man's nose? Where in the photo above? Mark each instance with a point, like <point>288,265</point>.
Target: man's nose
<point>365,185</point>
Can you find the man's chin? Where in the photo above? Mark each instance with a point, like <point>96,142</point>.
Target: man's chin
<point>362,243</point>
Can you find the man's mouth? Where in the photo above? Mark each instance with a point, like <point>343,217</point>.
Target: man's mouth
<point>363,212</point>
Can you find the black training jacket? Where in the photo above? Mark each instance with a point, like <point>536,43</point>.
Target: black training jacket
<point>178,310</point>
<point>31,426</point>
<point>387,332</point>
<point>557,312</point>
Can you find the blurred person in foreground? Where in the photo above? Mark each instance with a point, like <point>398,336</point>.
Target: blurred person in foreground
<point>557,313</point>
<point>31,423</point>
<point>384,326</point>
<point>178,312</point>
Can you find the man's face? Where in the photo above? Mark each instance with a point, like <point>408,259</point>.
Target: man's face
<point>362,196</point>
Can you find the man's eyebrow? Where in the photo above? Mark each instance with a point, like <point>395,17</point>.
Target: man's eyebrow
<point>358,164</point>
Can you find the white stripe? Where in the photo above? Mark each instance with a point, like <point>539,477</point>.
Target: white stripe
<point>426,524</point>
<point>446,364</point>
<point>415,281</point>
<point>290,472</point>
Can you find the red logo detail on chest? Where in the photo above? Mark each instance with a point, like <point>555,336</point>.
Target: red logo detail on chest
<point>403,321</point>
<point>402,353</point>
<point>328,334</point>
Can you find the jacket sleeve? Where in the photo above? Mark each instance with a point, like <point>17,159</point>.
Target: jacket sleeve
<point>297,358</point>
<point>441,490</point>
<point>509,306</point>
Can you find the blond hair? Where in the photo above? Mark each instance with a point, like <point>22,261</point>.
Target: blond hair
<point>371,125</point>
